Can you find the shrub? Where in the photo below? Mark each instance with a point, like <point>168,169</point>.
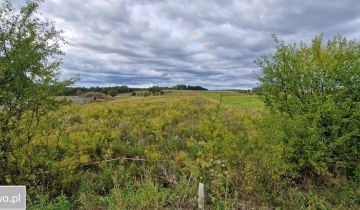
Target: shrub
<point>29,64</point>
<point>317,87</point>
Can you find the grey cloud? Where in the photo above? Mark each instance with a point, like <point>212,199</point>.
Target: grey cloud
<point>204,42</point>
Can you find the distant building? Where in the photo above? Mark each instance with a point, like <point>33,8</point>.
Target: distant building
<point>81,100</point>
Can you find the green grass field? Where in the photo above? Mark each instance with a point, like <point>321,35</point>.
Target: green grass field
<point>234,98</point>
<point>240,100</point>
<point>151,152</point>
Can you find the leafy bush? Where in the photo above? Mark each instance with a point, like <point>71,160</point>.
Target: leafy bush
<point>317,88</point>
<point>29,64</point>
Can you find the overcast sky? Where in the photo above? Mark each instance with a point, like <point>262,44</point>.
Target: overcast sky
<point>196,42</point>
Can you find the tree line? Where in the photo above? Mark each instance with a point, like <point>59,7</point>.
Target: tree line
<point>115,90</point>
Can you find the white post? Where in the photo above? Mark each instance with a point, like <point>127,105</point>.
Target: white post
<point>201,198</point>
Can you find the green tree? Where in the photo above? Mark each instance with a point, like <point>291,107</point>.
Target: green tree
<point>79,92</point>
<point>155,90</point>
<point>29,68</point>
<point>112,92</point>
<point>180,87</point>
<point>317,87</point>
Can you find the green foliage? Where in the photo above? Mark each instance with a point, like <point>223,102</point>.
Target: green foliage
<point>317,89</point>
<point>155,90</point>
<point>71,91</point>
<point>112,93</point>
<point>79,92</point>
<point>188,87</point>
<point>61,202</point>
<point>29,64</point>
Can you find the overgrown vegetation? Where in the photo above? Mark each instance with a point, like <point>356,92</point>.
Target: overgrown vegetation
<point>316,88</point>
<point>300,151</point>
<point>160,148</point>
<point>29,50</point>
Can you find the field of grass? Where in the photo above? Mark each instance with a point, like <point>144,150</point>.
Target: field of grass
<point>241,100</point>
<point>179,135</point>
<point>136,152</point>
<point>151,148</point>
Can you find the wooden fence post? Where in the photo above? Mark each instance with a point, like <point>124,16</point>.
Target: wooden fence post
<point>201,196</point>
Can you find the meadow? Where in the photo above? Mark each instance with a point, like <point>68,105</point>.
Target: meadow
<point>295,145</point>
<point>151,153</point>
<point>244,101</point>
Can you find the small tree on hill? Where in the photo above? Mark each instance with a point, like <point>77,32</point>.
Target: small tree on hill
<point>112,93</point>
